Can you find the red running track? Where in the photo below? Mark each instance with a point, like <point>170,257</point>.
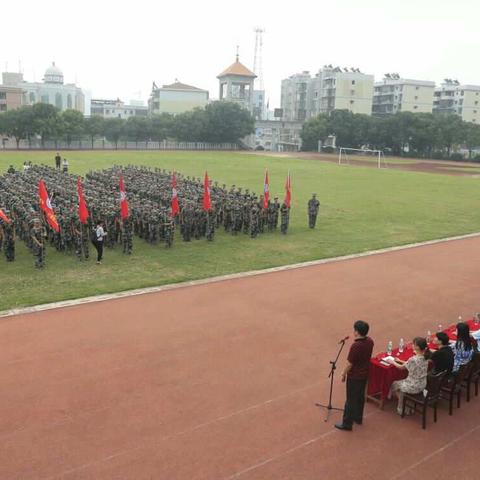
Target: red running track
<point>219,381</point>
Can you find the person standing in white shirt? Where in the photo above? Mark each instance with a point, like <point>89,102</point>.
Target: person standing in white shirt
<point>99,235</point>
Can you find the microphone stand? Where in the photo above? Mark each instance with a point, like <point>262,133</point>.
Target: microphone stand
<point>331,375</point>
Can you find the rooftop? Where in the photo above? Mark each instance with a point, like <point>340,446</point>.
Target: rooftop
<point>238,69</point>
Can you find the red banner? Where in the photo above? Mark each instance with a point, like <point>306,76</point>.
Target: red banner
<point>4,217</point>
<point>265,190</point>
<point>207,203</point>
<point>82,206</point>
<point>288,191</point>
<point>123,200</point>
<point>175,207</point>
<point>46,206</point>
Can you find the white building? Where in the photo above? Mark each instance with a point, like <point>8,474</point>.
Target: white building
<point>116,109</point>
<point>395,94</point>
<point>332,88</point>
<point>237,84</point>
<point>176,98</point>
<point>52,90</point>
<point>294,97</point>
<point>276,136</point>
<point>462,100</point>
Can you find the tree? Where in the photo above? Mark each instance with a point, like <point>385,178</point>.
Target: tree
<point>72,124</point>
<point>137,129</point>
<point>114,128</point>
<point>313,131</point>
<point>94,127</point>
<point>190,126</point>
<point>46,121</point>
<point>471,137</point>
<point>161,126</point>
<point>227,122</point>
<point>18,124</point>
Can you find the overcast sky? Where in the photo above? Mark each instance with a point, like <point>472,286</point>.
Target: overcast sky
<point>117,48</point>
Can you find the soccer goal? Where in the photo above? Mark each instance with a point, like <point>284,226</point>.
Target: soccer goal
<point>365,154</point>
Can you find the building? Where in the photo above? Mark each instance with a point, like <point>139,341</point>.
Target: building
<point>294,97</point>
<point>259,107</point>
<point>176,98</point>
<point>334,88</point>
<point>52,90</point>
<point>236,85</point>
<point>10,98</point>
<point>395,94</point>
<point>462,100</point>
<point>116,109</point>
<point>276,136</point>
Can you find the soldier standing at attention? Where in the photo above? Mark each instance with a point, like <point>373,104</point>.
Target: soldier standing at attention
<point>313,206</point>
<point>58,161</point>
<point>9,240</point>
<point>284,218</point>
<point>38,235</point>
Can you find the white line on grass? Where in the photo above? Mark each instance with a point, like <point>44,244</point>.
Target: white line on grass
<point>221,278</point>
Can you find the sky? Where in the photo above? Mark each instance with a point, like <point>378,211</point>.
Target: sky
<point>118,48</point>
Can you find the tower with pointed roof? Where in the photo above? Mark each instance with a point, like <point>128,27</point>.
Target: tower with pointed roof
<point>236,84</point>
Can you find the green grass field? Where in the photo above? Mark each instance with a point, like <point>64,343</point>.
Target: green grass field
<point>361,209</point>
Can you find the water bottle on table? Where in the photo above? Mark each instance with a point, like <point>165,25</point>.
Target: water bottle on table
<point>401,346</point>
<point>389,348</point>
<point>429,336</point>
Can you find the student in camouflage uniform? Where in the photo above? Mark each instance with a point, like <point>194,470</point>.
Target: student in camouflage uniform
<point>285,218</point>
<point>313,206</point>
<point>38,236</point>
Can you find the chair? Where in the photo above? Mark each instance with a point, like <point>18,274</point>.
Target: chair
<point>428,398</point>
<point>474,376</point>
<point>453,387</point>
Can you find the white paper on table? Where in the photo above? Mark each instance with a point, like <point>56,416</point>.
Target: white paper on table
<point>387,360</point>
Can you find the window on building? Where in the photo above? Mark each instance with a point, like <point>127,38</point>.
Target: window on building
<point>474,111</point>
<point>476,102</point>
<point>353,82</point>
<point>417,88</point>
<point>415,107</point>
<point>352,102</point>
<point>416,98</point>
<point>107,111</point>
<point>59,101</point>
<point>3,95</point>
<point>3,107</point>
<point>463,93</point>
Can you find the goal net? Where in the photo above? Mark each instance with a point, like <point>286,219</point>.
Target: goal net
<point>361,154</point>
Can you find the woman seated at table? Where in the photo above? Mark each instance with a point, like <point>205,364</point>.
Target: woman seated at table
<point>417,367</point>
<point>464,347</point>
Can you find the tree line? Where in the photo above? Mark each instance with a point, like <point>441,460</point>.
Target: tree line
<point>218,122</point>
<point>423,135</point>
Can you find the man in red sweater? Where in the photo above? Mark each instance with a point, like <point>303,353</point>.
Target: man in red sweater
<point>356,375</point>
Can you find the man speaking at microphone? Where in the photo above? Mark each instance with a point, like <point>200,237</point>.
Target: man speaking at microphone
<point>356,375</point>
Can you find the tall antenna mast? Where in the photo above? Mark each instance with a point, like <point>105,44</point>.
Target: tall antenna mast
<point>258,58</point>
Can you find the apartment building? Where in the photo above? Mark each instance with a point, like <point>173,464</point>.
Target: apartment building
<point>294,97</point>
<point>462,100</point>
<point>395,94</point>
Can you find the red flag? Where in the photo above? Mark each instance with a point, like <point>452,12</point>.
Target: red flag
<point>4,217</point>
<point>123,200</point>
<point>175,207</point>
<point>46,206</point>
<point>207,203</point>
<point>82,206</point>
<point>288,191</point>
<point>265,190</point>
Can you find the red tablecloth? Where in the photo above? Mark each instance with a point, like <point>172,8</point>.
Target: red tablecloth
<point>382,376</point>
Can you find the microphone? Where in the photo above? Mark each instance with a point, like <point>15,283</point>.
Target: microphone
<point>343,340</point>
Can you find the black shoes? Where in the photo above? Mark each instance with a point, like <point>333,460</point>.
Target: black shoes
<point>342,426</point>
<point>358,422</point>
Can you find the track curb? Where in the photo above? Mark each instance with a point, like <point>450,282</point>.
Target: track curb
<point>221,278</point>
